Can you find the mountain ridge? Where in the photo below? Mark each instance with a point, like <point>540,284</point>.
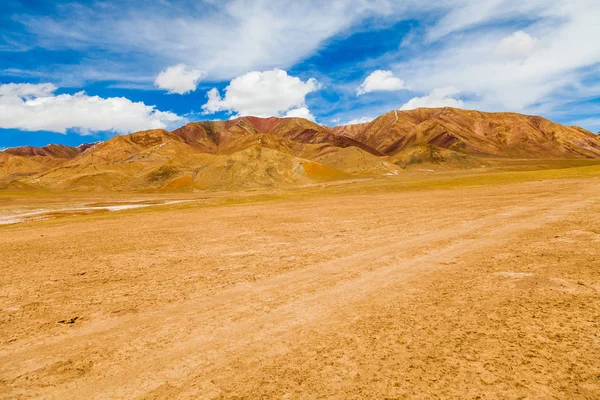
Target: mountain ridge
<point>258,152</point>
<point>492,134</point>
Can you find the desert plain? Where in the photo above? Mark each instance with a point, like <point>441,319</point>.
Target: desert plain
<point>431,285</point>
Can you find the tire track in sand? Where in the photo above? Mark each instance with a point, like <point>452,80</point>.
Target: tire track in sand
<point>185,342</point>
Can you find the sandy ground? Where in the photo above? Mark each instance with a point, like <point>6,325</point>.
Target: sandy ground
<point>476,293</point>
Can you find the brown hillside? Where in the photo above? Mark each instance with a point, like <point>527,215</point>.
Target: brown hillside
<point>213,136</point>
<point>474,132</point>
<point>18,162</point>
<point>161,160</point>
<point>254,152</point>
<point>52,150</point>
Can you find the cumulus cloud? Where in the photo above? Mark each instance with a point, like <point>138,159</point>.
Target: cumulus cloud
<point>557,53</point>
<point>361,120</point>
<point>517,46</point>
<point>301,112</point>
<point>179,79</point>
<point>262,94</point>
<point>380,80</point>
<point>441,97</point>
<point>460,43</point>
<point>27,90</point>
<point>36,107</point>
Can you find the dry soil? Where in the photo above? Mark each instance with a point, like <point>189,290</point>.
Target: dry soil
<point>489,292</point>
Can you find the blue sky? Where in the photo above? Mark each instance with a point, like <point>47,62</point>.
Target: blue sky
<point>82,71</point>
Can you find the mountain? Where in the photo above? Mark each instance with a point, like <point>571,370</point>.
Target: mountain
<point>257,152</point>
<point>508,135</point>
<point>228,136</point>
<point>23,161</point>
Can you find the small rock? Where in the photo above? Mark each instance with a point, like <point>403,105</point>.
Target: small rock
<point>68,321</point>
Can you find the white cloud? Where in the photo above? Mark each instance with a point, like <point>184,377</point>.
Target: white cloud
<point>179,79</point>
<point>262,94</point>
<point>457,43</point>
<point>380,80</point>
<point>592,124</point>
<point>225,38</point>
<point>561,56</point>
<point>301,112</point>
<point>35,107</point>
<point>462,15</point>
<point>361,120</point>
<point>517,46</point>
<point>27,90</point>
<point>437,98</point>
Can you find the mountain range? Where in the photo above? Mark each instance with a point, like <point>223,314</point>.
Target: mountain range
<point>256,152</point>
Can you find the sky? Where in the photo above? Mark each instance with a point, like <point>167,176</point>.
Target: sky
<point>75,72</point>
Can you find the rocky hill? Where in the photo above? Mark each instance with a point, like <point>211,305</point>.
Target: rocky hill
<point>258,152</point>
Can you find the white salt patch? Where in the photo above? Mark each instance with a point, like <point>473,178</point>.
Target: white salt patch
<point>130,206</point>
<point>17,220</point>
<point>39,214</point>
<point>9,221</point>
<point>122,207</point>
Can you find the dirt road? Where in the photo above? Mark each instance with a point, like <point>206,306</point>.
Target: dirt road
<point>472,293</point>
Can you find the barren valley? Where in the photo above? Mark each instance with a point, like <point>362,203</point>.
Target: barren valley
<point>470,286</point>
<point>347,199</point>
<point>432,253</point>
